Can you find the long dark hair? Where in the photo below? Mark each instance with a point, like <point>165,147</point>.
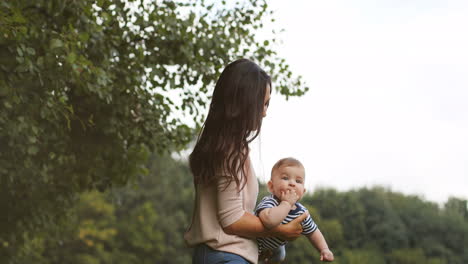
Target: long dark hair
<point>234,120</point>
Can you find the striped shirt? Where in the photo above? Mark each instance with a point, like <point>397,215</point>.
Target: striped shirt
<point>308,225</point>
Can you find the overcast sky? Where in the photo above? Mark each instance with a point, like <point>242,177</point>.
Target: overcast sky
<point>388,99</point>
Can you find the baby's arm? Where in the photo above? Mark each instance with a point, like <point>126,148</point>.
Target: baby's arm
<point>273,216</point>
<point>317,239</point>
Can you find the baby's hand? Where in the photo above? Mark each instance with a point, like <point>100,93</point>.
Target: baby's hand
<point>326,255</point>
<point>289,196</point>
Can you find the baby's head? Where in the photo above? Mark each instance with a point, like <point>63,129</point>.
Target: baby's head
<point>287,174</point>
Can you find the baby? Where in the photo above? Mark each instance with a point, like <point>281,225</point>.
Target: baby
<point>287,187</point>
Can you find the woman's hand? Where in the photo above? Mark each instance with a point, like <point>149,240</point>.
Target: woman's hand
<point>291,230</point>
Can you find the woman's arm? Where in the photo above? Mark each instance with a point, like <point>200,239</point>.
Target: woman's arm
<point>236,221</point>
<point>251,226</point>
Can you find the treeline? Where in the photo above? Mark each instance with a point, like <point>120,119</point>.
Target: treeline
<point>144,223</point>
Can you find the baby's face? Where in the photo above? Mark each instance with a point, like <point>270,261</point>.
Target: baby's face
<point>287,178</point>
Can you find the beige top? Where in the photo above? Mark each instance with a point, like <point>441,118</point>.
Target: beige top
<point>215,208</point>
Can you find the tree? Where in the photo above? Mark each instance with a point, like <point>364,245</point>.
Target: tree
<point>456,206</point>
<point>384,225</point>
<point>347,208</point>
<point>87,90</point>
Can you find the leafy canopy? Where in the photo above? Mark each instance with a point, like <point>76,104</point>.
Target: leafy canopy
<point>89,88</point>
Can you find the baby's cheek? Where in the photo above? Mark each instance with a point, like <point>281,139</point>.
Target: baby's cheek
<point>300,192</point>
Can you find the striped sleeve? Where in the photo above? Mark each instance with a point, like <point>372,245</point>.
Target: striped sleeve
<point>266,202</point>
<point>308,225</point>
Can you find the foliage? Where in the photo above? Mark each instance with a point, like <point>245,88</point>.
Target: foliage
<point>89,88</point>
<point>395,228</point>
<point>144,223</point>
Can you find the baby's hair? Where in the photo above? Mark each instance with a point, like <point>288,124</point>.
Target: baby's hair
<point>286,162</point>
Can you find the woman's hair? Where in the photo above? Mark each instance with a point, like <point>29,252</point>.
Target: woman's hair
<point>236,110</point>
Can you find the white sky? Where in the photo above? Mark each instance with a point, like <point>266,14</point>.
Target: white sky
<point>388,99</point>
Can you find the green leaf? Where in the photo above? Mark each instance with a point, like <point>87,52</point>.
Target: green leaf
<point>56,43</point>
<point>18,18</point>
<point>32,139</point>
<point>33,150</point>
<point>84,37</point>
<point>31,51</point>
<point>7,105</point>
<point>71,58</point>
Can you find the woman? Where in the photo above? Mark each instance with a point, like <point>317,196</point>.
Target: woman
<point>224,228</point>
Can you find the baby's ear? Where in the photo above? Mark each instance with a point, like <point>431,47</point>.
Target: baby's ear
<point>270,186</point>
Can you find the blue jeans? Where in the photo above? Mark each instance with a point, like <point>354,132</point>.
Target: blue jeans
<point>203,254</point>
